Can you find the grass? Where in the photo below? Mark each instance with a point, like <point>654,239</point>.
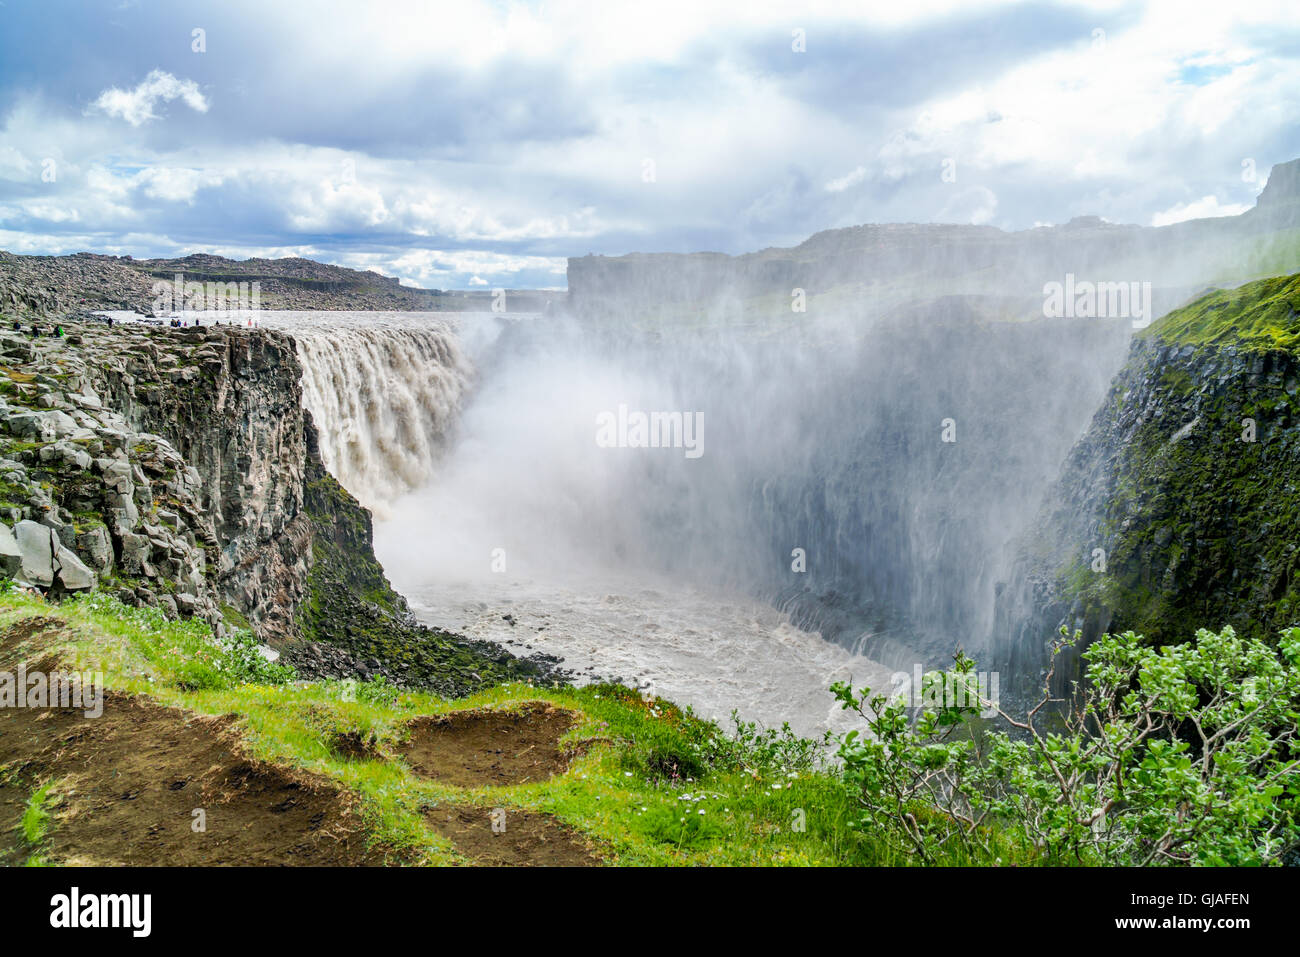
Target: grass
<point>1259,316</point>
<point>36,817</point>
<point>652,783</point>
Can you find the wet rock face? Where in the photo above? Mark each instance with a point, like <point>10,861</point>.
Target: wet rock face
<point>1177,510</point>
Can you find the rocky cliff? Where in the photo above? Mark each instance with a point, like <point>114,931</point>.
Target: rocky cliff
<point>229,399</point>
<point>52,286</point>
<point>1178,509</point>
<point>124,509</point>
<point>865,269</point>
<point>178,468</point>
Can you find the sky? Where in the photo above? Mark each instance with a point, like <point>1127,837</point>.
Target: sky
<point>475,144</point>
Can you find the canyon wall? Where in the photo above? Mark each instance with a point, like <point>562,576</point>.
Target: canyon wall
<point>229,401</point>
<point>1178,508</point>
<point>178,468</point>
<point>862,270</point>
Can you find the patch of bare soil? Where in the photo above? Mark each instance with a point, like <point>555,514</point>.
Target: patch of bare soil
<point>134,777</point>
<point>19,640</point>
<point>521,838</point>
<point>490,747</point>
<point>354,746</point>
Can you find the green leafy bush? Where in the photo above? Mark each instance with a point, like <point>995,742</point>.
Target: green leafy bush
<point>1185,754</point>
<point>674,744</point>
<point>765,750</point>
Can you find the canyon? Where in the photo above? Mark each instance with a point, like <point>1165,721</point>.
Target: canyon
<point>943,456</point>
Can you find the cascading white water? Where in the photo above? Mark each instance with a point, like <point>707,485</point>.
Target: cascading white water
<point>507,519</point>
<point>517,467</point>
<point>383,396</point>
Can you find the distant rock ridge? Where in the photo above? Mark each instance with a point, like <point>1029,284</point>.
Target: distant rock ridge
<point>879,267</point>
<point>1280,200</point>
<point>82,283</point>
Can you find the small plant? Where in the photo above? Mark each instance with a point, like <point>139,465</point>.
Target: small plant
<point>680,826</point>
<point>378,690</point>
<point>766,750</point>
<point>36,816</point>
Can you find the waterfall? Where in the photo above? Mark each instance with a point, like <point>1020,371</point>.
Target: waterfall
<point>383,399</point>
<point>827,483</point>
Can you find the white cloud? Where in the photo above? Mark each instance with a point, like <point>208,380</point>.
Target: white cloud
<point>13,164</point>
<point>588,37</point>
<point>325,205</point>
<point>753,146</point>
<point>432,268</point>
<point>1118,111</point>
<point>1202,208</point>
<point>174,183</point>
<point>136,106</point>
<point>50,213</point>
<point>852,178</point>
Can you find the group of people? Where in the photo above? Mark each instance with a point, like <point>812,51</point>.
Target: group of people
<point>179,323</point>
<point>36,331</point>
<point>176,323</point>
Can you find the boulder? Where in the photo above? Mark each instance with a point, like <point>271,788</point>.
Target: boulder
<point>117,476</point>
<point>45,560</point>
<point>136,550</point>
<point>11,556</point>
<point>95,544</point>
<point>30,425</point>
<point>36,546</point>
<point>71,572</point>
<point>42,426</point>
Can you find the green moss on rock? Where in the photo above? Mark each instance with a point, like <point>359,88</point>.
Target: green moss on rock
<point>1259,316</point>
<point>1189,477</point>
<point>352,606</point>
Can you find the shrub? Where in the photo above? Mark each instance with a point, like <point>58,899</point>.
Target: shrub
<point>1185,754</point>
<point>765,750</point>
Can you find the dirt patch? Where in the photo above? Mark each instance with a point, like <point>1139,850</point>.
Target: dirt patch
<point>522,838</point>
<point>354,746</point>
<point>134,777</point>
<point>21,632</point>
<point>490,747</point>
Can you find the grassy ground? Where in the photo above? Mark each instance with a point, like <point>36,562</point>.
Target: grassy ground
<point>1259,316</point>
<point>649,785</point>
